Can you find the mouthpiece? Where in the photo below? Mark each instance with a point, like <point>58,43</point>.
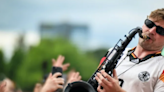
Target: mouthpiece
<point>143,36</point>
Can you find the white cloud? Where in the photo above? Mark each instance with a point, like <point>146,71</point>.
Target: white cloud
<point>31,38</point>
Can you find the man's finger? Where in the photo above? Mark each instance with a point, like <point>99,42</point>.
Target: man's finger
<point>60,58</point>
<point>76,74</point>
<point>115,74</point>
<point>79,78</point>
<point>65,66</point>
<point>57,74</point>
<point>105,83</point>
<point>100,76</point>
<point>109,78</point>
<point>102,81</point>
<point>60,86</point>
<point>50,75</point>
<point>60,81</point>
<point>98,79</point>
<point>99,89</point>
<point>53,61</point>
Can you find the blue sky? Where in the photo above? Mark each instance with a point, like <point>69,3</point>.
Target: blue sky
<point>108,20</point>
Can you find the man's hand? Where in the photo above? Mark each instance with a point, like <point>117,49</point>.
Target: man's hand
<point>108,83</point>
<point>53,83</point>
<point>73,76</point>
<point>38,87</point>
<point>59,63</point>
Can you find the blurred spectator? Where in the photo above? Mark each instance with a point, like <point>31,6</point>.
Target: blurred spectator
<point>55,80</point>
<point>7,85</point>
<point>38,87</point>
<point>2,86</point>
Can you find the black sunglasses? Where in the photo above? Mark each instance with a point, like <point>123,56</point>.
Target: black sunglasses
<point>151,24</point>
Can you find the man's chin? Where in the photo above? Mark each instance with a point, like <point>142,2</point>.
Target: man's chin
<point>147,46</point>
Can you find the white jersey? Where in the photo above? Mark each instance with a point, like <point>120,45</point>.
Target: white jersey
<point>146,76</point>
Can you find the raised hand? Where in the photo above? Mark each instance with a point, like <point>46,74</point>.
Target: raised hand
<point>53,83</point>
<point>59,63</point>
<point>38,87</point>
<point>73,76</point>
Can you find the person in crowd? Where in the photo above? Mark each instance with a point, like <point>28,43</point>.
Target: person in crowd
<point>7,85</point>
<point>2,86</point>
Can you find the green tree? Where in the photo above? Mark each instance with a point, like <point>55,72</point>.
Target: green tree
<point>16,61</point>
<point>14,64</point>
<point>2,64</point>
<point>98,53</point>
<point>32,69</point>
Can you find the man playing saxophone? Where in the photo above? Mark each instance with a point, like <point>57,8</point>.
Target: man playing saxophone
<point>140,69</point>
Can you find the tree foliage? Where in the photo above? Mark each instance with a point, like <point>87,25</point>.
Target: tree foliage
<point>2,65</point>
<point>98,54</point>
<point>14,64</point>
<point>37,61</point>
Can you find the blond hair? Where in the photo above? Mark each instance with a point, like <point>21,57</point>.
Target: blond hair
<point>157,14</point>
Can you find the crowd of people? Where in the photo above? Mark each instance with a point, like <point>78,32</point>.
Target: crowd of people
<point>54,81</point>
<point>140,69</point>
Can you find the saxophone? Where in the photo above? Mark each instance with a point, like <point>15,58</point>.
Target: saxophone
<point>108,64</point>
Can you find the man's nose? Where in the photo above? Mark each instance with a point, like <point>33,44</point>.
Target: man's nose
<point>153,30</point>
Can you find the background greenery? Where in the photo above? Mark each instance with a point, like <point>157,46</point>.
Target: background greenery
<point>28,67</point>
